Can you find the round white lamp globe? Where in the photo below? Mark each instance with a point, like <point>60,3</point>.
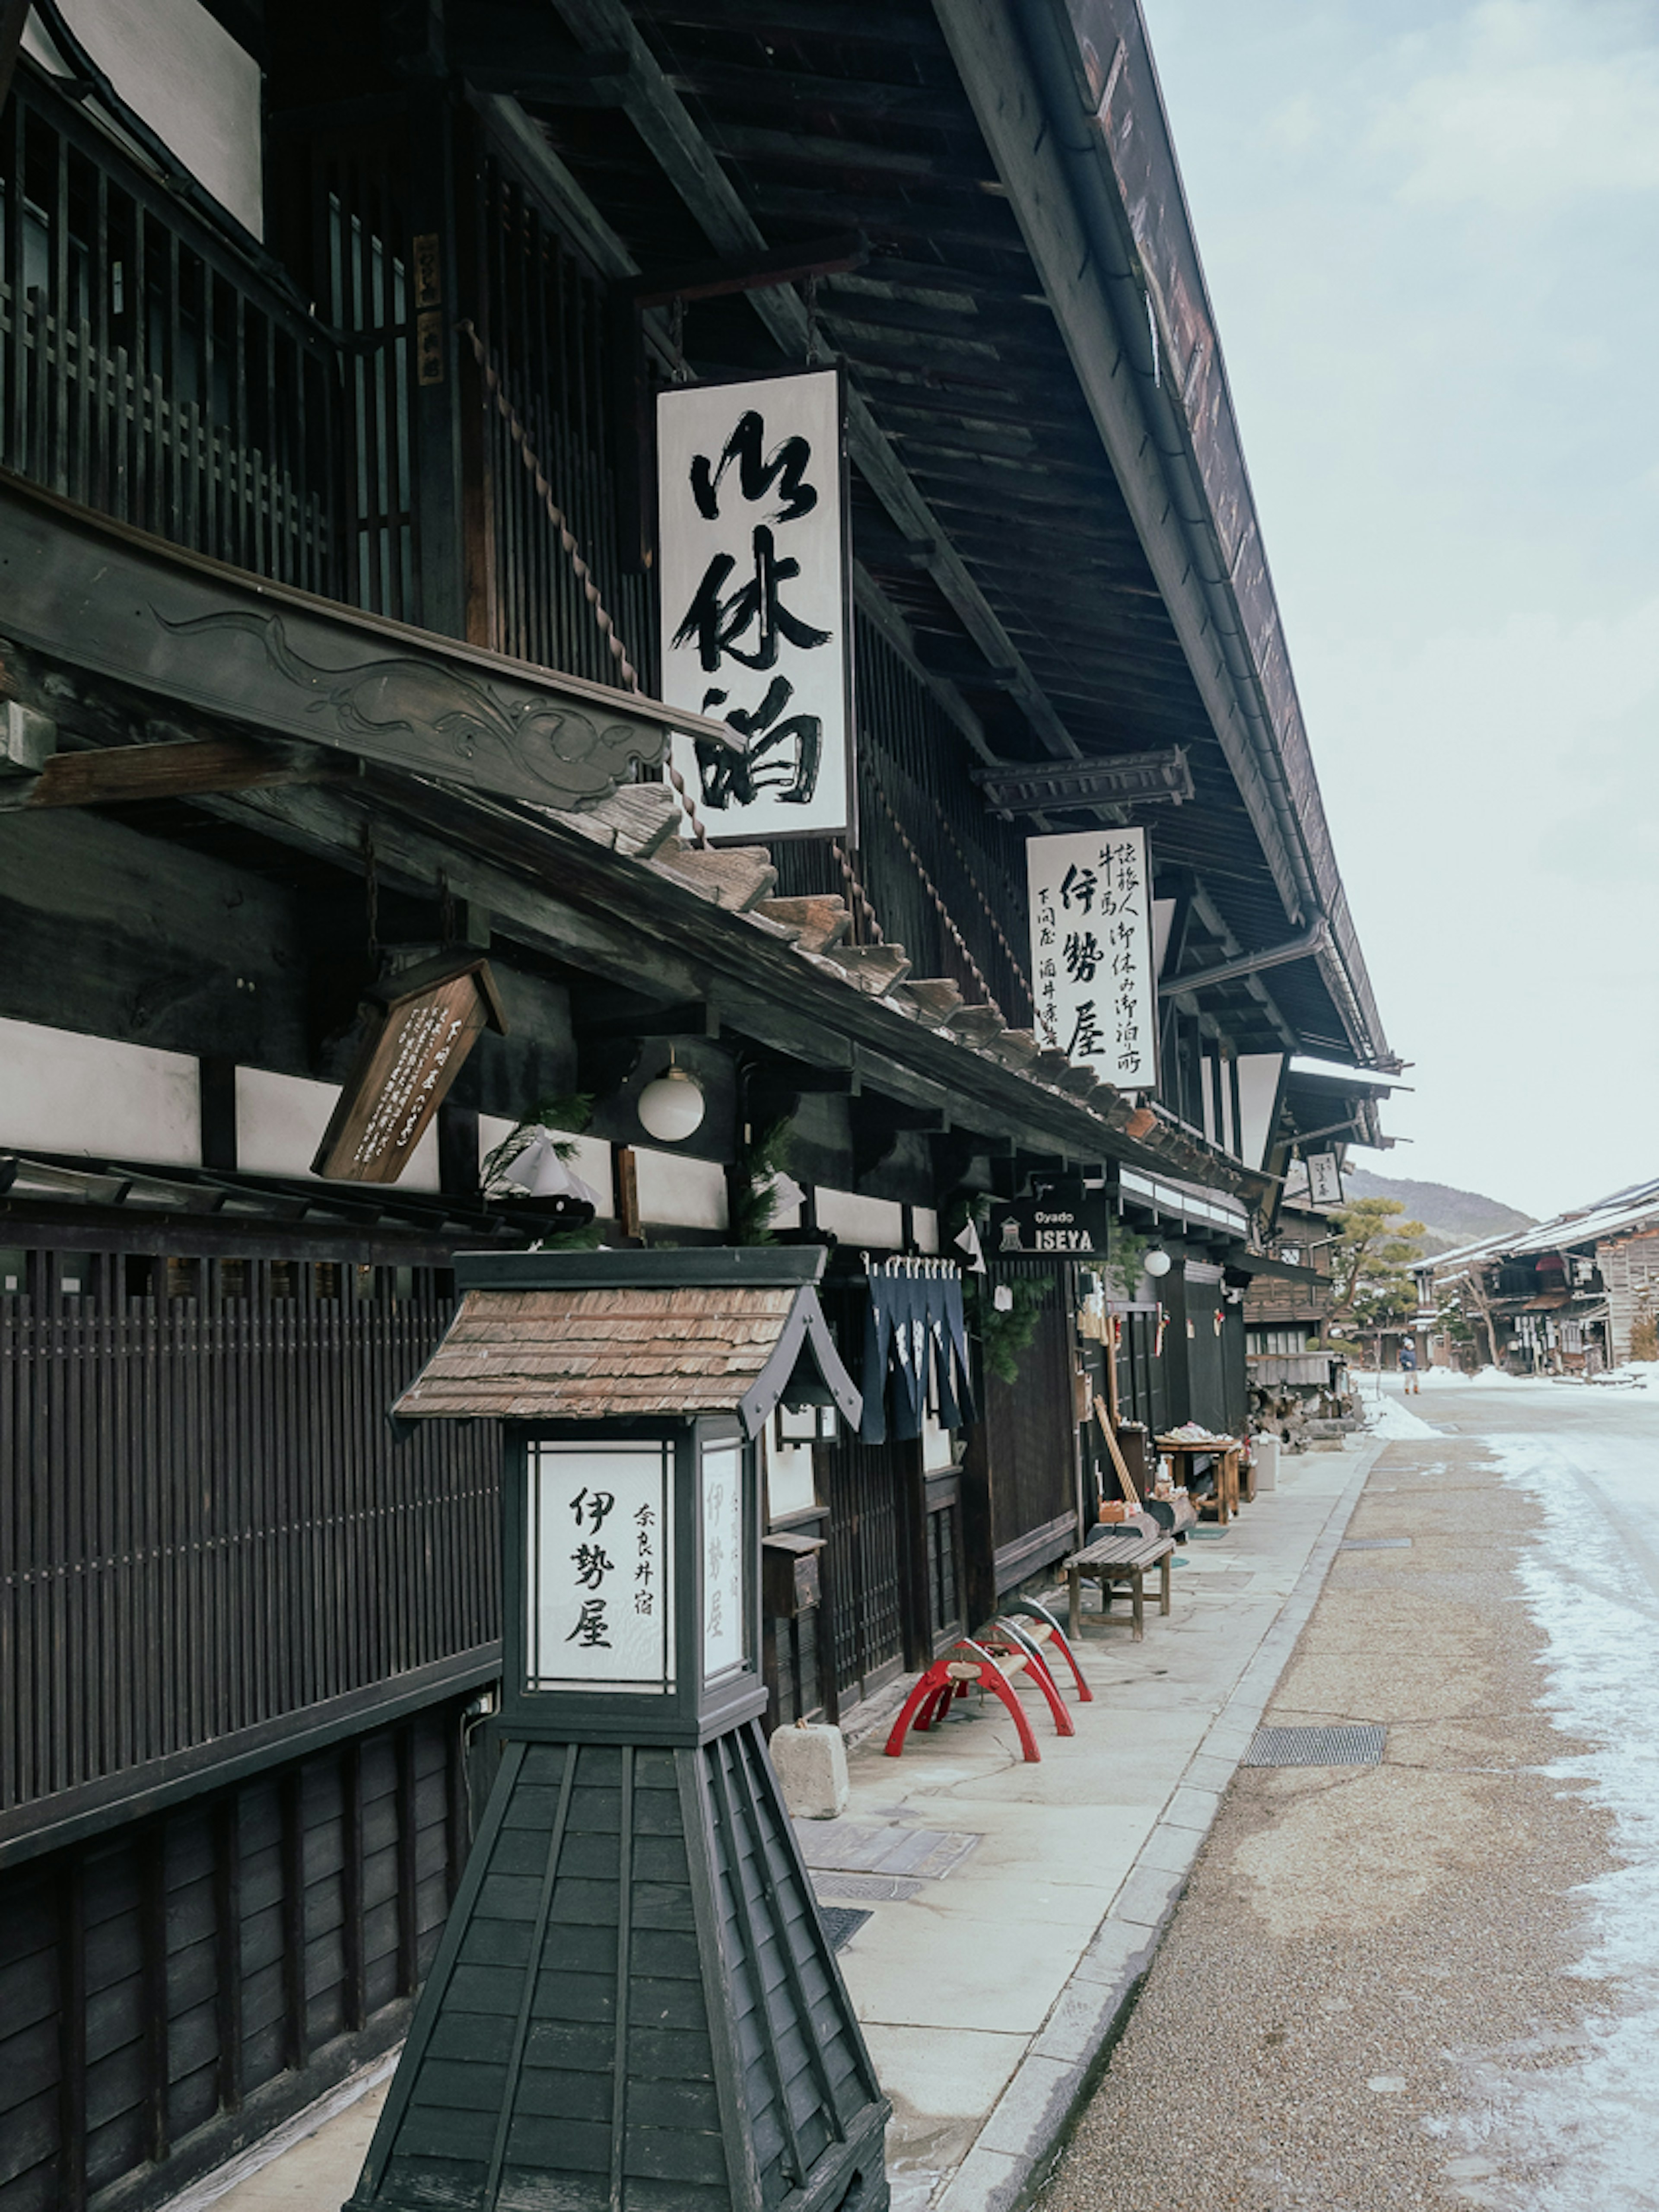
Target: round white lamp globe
<point>1157,1262</point>
<point>671,1108</point>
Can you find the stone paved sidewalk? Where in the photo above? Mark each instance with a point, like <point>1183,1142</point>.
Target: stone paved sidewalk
<point>994,1967</point>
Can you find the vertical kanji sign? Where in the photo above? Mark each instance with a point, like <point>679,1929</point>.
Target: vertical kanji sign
<point>1091,952</point>
<point>600,1556</point>
<point>756,608</point>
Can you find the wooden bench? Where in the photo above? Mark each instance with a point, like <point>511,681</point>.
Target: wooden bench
<point>1122,1557</point>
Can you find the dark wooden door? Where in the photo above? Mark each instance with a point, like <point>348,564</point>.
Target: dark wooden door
<point>866,1561</point>
<point>1021,1492</point>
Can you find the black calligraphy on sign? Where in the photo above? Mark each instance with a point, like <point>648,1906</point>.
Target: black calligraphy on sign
<point>753,597</point>
<point>1091,951</point>
<point>785,465</point>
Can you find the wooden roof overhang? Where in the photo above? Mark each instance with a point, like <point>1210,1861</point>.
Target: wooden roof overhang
<point>586,1336</point>
<point>377,751</point>
<point>1049,501</point>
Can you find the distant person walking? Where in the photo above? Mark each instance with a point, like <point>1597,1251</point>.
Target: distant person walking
<point>1408,1368</point>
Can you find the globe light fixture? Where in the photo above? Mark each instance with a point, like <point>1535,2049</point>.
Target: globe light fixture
<point>671,1107</point>
<point>1157,1262</point>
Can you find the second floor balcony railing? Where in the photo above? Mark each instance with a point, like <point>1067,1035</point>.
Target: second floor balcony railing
<point>151,371</point>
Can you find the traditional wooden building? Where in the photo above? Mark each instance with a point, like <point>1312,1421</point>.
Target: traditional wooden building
<point>1577,1295</point>
<point>331,636</point>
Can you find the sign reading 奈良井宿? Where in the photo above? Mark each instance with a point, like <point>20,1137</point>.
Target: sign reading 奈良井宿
<point>1091,951</point>
<point>755,603</point>
<point>1324,1179</point>
<point>599,1560</point>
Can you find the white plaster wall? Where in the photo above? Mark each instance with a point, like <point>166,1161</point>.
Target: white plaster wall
<point>280,1121</point>
<point>190,80</point>
<point>62,1093</point>
<point>877,1222</point>
<point>1258,1074</point>
<point>676,1192</point>
<point>924,1227</point>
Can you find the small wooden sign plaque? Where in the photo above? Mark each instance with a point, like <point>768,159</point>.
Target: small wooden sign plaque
<point>430,1019</point>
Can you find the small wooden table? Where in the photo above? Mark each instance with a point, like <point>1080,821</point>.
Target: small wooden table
<point>1226,1451</point>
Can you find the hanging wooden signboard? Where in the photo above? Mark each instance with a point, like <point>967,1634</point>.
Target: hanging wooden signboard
<point>757,602</point>
<point>1091,951</point>
<point>1324,1179</point>
<point>429,1019</point>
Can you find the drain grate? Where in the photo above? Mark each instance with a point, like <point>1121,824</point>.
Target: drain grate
<point>1207,1535</point>
<point>1376,1544</point>
<point>1360,1745</point>
<point>841,1925</point>
<point>885,1889</point>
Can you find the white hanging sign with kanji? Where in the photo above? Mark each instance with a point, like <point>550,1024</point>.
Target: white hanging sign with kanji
<point>723,1638</point>
<point>600,1562</point>
<point>755,606</point>
<point>1091,952</point>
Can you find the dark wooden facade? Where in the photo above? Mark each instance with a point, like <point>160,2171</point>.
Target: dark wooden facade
<point>229,1600</point>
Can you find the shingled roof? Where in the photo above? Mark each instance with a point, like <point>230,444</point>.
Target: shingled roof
<point>596,1350</point>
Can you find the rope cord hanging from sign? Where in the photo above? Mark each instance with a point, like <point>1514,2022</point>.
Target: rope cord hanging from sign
<point>568,540</point>
<point>932,890</point>
<point>860,897</point>
<point>997,930</point>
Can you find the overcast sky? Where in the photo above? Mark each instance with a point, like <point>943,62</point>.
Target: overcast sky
<point>1431,236</point>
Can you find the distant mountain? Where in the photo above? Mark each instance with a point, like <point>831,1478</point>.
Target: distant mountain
<point>1450,1217</point>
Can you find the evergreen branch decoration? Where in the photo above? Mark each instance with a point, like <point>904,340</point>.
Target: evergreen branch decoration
<point>1004,1336</point>
<point>752,1195</point>
<point>569,1111</point>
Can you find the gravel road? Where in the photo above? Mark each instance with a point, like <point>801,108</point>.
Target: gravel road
<point>1410,1984</point>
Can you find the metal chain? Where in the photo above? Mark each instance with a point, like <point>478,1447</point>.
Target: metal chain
<point>860,897</point>
<point>556,515</point>
<point>812,321</point>
<point>932,890</point>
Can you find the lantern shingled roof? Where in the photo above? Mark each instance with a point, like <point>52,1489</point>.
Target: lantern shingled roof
<point>604,1336</point>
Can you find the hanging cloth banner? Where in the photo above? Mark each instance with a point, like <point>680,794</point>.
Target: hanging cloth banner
<point>915,1351</point>
<point>1091,951</point>
<point>756,599</point>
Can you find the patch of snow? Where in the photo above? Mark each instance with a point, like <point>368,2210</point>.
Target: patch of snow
<point>1593,2121</point>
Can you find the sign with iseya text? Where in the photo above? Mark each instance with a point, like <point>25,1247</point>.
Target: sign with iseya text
<point>1091,952</point>
<point>755,603</point>
<point>600,1562</point>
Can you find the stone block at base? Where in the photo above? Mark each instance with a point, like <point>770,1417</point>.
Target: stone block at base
<point>812,1765</point>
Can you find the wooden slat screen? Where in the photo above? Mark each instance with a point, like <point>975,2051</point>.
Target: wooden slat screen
<point>205,1524</point>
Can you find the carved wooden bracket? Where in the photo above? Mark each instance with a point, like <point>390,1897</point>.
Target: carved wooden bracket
<point>102,596</point>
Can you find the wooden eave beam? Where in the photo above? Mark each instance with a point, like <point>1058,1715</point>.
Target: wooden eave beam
<point>126,774</point>
<point>689,164</point>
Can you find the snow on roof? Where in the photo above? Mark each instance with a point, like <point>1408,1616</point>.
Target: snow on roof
<point>1616,1215</point>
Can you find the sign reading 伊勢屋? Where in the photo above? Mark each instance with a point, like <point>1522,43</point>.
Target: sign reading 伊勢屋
<point>1091,951</point>
<point>755,599</point>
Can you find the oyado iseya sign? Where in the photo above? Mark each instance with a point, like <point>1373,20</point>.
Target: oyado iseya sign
<point>1064,1221</point>
<point>754,604</point>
